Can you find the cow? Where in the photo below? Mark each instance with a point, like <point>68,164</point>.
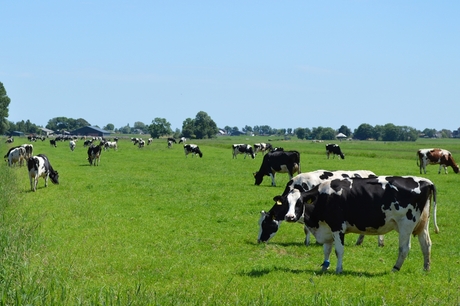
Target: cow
<point>435,156</point>
<point>262,147</point>
<point>270,221</point>
<point>111,144</point>
<point>94,155</point>
<point>369,206</point>
<point>170,142</point>
<point>9,140</point>
<point>39,166</point>
<point>192,149</point>
<point>16,156</point>
<point>29,150</point>
<point>149,141</point>
<point>278,161</point>
<point>334,149</point>
<point>53,143</point>
<point>141,143</point>
<point>182,140</point>
<point>72,145</point>
<point>245,149</point>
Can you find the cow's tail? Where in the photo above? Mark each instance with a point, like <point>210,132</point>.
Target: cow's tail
<point>436,228</point>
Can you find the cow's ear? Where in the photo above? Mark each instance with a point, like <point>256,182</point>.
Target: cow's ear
<point>278,200</point>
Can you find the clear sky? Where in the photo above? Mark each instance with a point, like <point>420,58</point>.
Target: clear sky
<point>285,64</point>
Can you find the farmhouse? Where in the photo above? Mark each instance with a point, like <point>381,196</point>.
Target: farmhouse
<point>90,131</point>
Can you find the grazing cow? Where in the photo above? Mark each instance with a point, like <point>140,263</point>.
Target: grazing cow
<point>270,221</point>
<point>436,156</point>
<point>94,155</point>
<point>149,141</point>
<point>9,140</point>
<point>192,149</point>
<point>262,147</point>
<point>140,143</point>
<point>53,143</point>
<point>16,156</point>
<point>369,206</point>
<point>182,140</point>
<point>245,149</point>
<point>278,161</point>
<point>334,149</point>
<point>39,166</point>
<point>111,144</point>
<point>72,145</point>
<point>170,142</point>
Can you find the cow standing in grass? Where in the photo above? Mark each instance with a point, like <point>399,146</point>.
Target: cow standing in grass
<point>39,166</point>
<point>94,155</point>
<point>436,156</point>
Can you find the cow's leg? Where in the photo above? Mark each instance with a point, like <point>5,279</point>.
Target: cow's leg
<point>425,244</point>
<point>339,250</point>
<point>272,176</point>
<point>440,167</point>
<point>404,247</point>
<point>46,179</point>
<point>381,241</point>
<point>360,240</point>
<point>35,182</point>
<point>327,249</point>
<point>32,182</point>
<point>307,235</point>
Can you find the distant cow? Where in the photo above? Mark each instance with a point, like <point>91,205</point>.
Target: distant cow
<point>182,140</point>
<point>369,206</point>
<point>170,142</point>
<point>110,144</point>
<point>16,156</point>
<point>39,166</point>
<point>192,149</point>
<point>334,149</point>
<point>245,149</point>
<point>262,147</point>
<point>278,161</point>
<point>72,145</point>
<point>9,140</point>
<point>94,155</point>
<point>436,156</point>
<point>53,142</point>
<point>149,141</point>
<point>270,221</point>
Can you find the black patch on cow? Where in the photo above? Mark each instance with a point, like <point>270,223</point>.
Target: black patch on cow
<point>326,175</point>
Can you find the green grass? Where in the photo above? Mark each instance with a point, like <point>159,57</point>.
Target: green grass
<point>149,226</point>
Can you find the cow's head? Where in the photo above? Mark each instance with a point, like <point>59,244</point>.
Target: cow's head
<point>54,176</point>
<point>258,176</point>
<point>268,226</point>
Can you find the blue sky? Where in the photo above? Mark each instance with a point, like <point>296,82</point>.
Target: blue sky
<point>285,64</point>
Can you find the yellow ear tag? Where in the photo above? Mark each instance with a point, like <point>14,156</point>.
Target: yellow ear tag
<point>278,202</point>
<point>309,201</point>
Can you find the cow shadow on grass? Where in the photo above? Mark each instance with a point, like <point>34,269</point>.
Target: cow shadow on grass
<point>260,272</point>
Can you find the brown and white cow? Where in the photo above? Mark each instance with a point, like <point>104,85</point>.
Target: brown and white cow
<point>436,156</point>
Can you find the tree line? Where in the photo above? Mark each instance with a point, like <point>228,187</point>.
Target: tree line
<point>202,127</point>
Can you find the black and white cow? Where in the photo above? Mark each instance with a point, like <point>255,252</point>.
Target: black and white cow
<point>369,206</point>
<point>334,149</point>
<point>39,166</point>
<point>9,140</point>
<point>110,145</point>
<point>72,145</point>
<point>29,150</point>
<point>16,156</point>
<point>278,161</point>
<point>192,149</point>
<point>270,221</point>
<point>94,155</point>
<point>182,140</point>
<point>53,143</point>
<point>170,142</point>
<point>245,149</point>
<point>262,147</point>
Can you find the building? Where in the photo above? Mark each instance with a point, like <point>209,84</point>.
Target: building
<point>90,131</point>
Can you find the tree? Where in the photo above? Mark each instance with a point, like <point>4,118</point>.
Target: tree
<point>344,130</point>
<point>67,124</point>
<point>322,133</point>
<point>109,127</point>
<point>159,127</point>
<point>300,133</point>
<point>4,104</point>
<point>205,127</point>
<point>363,132</point>
<point>188,128</point>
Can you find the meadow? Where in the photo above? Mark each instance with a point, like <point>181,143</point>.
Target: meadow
<point>150,226</point>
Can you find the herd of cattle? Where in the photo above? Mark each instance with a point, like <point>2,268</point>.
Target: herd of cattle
<point>329,204</point>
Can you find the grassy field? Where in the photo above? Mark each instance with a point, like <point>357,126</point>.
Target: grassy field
<point>152,227</point>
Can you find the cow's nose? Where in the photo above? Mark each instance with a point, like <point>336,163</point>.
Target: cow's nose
<point>290,218</point>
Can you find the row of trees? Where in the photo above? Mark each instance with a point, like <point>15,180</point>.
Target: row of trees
<point>202,126</point>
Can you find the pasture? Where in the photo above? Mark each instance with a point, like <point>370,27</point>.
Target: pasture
<point>149,226</point>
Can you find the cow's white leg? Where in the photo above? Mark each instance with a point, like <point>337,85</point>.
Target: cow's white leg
<point>404,247</point>
<point>381,241</point>
<point>35,182</point>
<point>425,244</point>
<point>46,180</point>
<point>339,250</point>
<point>32,182</point>
<point>327,249</point>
